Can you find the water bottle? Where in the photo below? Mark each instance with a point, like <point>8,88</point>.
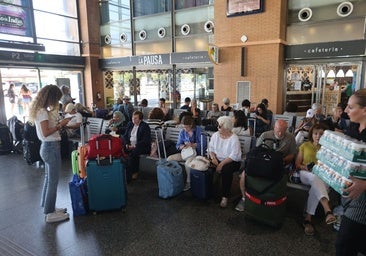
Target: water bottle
<point>295,178</point>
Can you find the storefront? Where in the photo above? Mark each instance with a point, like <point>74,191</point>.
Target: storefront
<point>171,76</point>
<point>35,71</point>
<point>325,73</point>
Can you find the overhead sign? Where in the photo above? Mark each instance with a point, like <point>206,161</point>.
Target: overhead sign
<point>328,49</point>
<point>155,60</point>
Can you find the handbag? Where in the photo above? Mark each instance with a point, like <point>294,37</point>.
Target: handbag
<point>104,145</point>
<point>79,195</point>
<point>188,152</point>
<point>198,163</point>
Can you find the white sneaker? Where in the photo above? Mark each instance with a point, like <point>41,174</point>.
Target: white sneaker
<point>56,217</point>
<point>223,203</point>
<point>187,186</point>
<point>240,206</point>
<point>62,210</point>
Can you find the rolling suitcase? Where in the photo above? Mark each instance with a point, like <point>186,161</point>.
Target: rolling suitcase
<point>78,156</point>
<point>202,180</point>
<point>106,184</point>
<point>266,200</point>
<point>169,174</point>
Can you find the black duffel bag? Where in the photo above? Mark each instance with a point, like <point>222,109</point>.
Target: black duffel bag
<point>264,162</point>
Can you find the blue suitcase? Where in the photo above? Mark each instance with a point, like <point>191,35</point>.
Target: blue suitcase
<point>106,184</point>
<point>201,183</point>
<point>170,178</point>
<point>169,173</point>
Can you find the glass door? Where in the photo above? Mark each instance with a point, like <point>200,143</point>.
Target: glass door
<point>328,84</point>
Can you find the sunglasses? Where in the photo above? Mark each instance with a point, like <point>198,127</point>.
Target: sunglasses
<point>219,126</point>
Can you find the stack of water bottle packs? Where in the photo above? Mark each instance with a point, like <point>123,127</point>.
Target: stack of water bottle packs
<point>340,157</point>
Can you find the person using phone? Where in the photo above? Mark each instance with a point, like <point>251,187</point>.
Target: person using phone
<point>44,114</point>
<point>75,120</point>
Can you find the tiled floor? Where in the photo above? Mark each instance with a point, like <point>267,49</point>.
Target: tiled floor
<point>150,226</point>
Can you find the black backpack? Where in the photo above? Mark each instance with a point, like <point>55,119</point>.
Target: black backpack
<point>6,139</point>
<point>264,162</point>
<point>16,128</point>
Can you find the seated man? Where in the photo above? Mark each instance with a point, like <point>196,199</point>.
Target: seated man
<point>137,141</point>
<point>279,140</point>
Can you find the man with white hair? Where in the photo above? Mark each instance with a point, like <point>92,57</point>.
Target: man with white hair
<point>278,139</point>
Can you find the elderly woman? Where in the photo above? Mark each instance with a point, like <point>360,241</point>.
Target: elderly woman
<point>75,122</point>
<point>189,136</point>
<point>117,124</point>
<point>225,154</point>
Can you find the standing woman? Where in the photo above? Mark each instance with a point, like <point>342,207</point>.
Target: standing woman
<point>352,233</point>
<point>11,95</point>
<point>26,96</point>
<point>44,114</point>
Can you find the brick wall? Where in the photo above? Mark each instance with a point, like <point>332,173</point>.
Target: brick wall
<point>264,53</point>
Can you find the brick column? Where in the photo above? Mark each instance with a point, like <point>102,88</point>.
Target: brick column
<point>90,37</point>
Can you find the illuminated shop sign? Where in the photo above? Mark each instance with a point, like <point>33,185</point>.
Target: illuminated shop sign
<point>156,60</point>
<point>15,18</point>
<point>325,50</point>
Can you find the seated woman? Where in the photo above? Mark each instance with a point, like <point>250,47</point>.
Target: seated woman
<point>305,160</point>
<point>225,154</point>
<point>73,126</point>
<point>84,111</point>
<point>262,122</point>
<point>226,106</point>
<point>196,112</point>
<point>189,136</point>
<point>117,124</point>
<point>156,116</point>
<point>240,123</point>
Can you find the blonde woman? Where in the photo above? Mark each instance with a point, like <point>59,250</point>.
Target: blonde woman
<point>44,113</point>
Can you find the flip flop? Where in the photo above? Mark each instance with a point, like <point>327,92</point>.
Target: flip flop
<point>308,228</point>
<point>330,218</point>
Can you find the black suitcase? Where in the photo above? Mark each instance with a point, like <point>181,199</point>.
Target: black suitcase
<point>266,200</point>
<point>201,183</point>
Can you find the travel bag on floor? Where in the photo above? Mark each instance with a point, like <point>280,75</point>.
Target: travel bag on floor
<point>169,174</point>
<point>79,195</point>
<point>106,184</point>
<point>201,175</point>
<point>265,200</point>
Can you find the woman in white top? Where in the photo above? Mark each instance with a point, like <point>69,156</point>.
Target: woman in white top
<point>44,113</point>
<point>225,154</point>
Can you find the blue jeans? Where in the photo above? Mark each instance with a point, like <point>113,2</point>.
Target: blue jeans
<point>51,156</point>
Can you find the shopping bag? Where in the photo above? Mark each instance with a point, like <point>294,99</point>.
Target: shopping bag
<point>79,195</point>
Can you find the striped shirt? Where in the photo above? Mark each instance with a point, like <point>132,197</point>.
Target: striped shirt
<point>356,209</point>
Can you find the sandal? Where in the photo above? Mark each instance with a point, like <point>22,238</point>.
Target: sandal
<point>330,218</point>
<point>308,228</point>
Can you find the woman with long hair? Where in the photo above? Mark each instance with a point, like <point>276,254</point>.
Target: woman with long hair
<point>44,114</point>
